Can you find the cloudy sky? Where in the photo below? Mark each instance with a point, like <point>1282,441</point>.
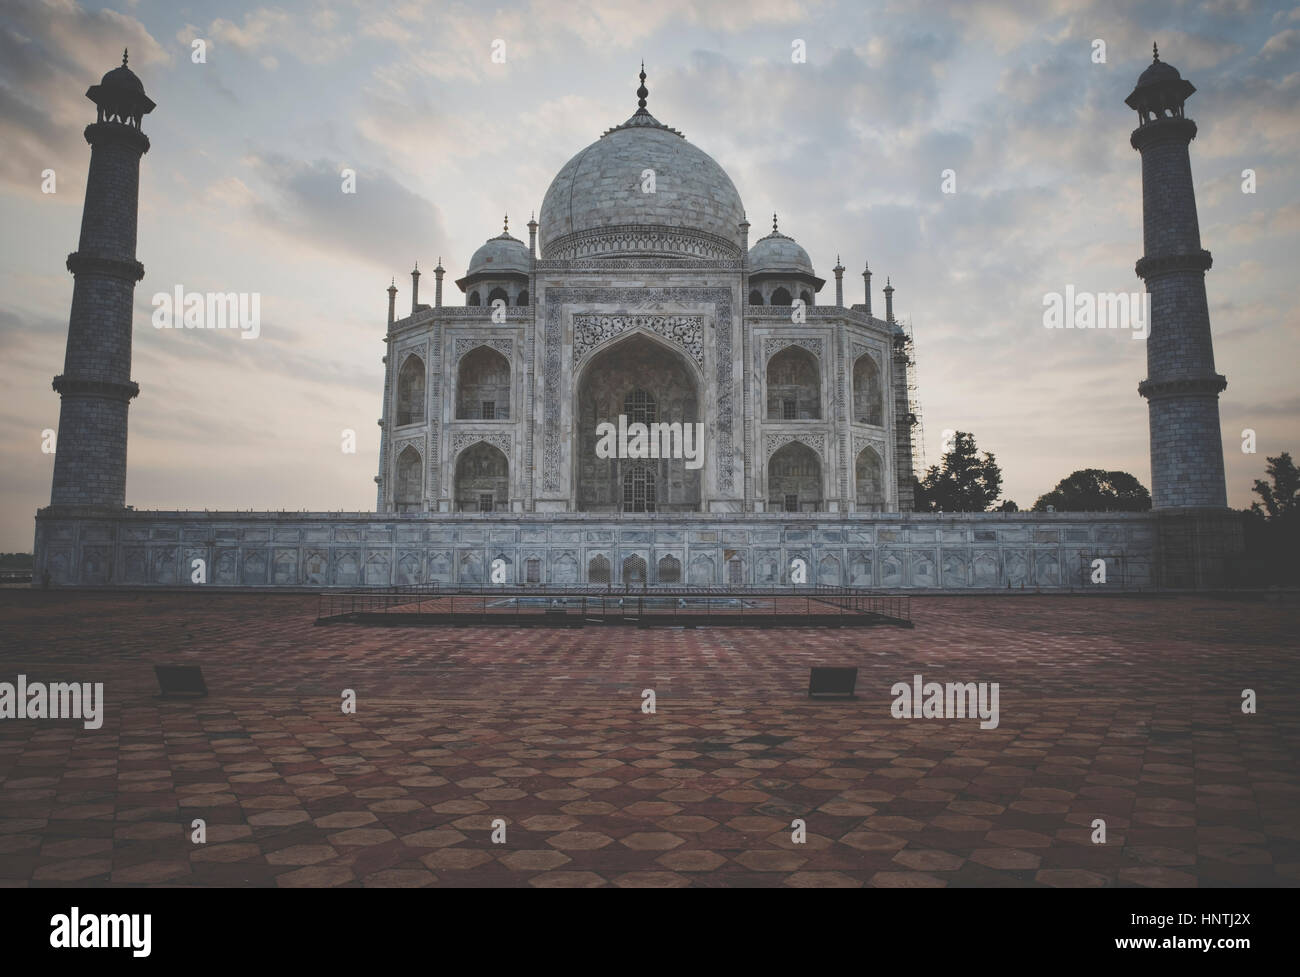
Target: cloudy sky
<point>240,192</point>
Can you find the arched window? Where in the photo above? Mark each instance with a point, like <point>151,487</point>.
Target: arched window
<point>498,293</point>
<point>408,486</point>
<point>794,479</point>
<point>793,386</point>
<point>634,571</point>
<point>755,297</point>
<point>867,401</point>
<point>410,391</point>
<point>472,298</point>
<point>870,482</point>
<point>482,479</point>
<point>598,570</point>
<point>638,489</point>
<point>523,298</point>
<point>639,407</point>
<point>483,386</point>
<point>781,297</point>
<point>807,298</point>
<point>670,570</point>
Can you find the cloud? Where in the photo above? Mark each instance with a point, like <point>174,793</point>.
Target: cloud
<point>382,223</point>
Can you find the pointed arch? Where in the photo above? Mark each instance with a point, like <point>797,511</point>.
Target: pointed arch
<point>483,385</point>
<point>869,479</point>
<point>482,480</point>
<point>781,296</point>
<point>408,490</point>
<point>410,391</point>
<point>794,479</point>
<point>793,386</point>
<point>868,399</point>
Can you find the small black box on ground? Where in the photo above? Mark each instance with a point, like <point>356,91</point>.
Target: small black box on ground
<point>176,681</point>
<point>826,681</point>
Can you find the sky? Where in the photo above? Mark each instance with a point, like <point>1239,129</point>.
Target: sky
<point>241,192</point>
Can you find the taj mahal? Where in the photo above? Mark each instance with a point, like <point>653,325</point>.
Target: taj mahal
<point>640,299</point>
<point>648,300</point>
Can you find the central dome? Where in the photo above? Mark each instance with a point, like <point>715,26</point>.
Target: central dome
<point>599,204</point>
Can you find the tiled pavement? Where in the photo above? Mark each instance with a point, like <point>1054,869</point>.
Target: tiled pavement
<point>1122,709</point>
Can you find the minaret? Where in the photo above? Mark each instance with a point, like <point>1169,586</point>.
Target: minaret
<point>95,387</point>
<point>438,272</point>
<point>392,303</point>
<point>415,289</point>
<point>866,283</point>
<point>839,282</point>
<point>1182,387</point>
<point>1197,535</point>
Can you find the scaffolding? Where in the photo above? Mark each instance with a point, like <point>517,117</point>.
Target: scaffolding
<point>908,345</point>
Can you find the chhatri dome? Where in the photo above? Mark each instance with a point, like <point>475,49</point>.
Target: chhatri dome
<point>779,253</point>
<point>502,254</point>
<point>598,204</point>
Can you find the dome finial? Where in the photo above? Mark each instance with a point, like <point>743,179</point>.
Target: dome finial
<point>774,222</point>
<point>123,57</point>
<point>506,228</point>
<point>642,92</point>
<point>1155,52</point>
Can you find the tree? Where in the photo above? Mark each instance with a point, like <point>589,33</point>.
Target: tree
<point>1094,490</point>
<point>1282,498</point>
<point>964,483</point>
<point>1008,505</point>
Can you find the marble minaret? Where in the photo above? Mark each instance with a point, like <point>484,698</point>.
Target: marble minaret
<point>95,387</point>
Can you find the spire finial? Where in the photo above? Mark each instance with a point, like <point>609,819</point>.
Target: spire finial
<point>123,57</point>
<point>642,92</point>
<point>1155,52</point>
<point>774,222</point>
<point>506,228</point>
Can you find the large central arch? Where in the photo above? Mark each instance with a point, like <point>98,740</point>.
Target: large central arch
<point>650,382</point>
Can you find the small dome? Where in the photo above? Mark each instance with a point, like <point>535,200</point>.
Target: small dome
<point>779,254</point>
<point>500,255</point>
<point>123,77</point>
<point>1158,71</point>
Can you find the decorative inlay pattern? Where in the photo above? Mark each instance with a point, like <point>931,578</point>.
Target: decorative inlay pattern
<point>552,360</point>
<point>417,443</point>
<point>504,346</point>
<point>815,441</point>
<point>464,439</point>
<point>775,344</point>
<point>861,441</point>
<point>686,331</point>
<point>415,349</point>
<point>631,239</point>
<point>587,264</point>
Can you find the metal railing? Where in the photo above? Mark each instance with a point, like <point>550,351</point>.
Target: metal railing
<point>578,606</point>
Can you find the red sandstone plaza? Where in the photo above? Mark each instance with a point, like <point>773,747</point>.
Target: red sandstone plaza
<point>1121,709</point>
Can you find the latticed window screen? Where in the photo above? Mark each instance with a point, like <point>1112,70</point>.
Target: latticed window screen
<point>792,503</point>
<point>639,490</point>
<point>485,502</point>
<point>489,410</point>
<point>639,407</point>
